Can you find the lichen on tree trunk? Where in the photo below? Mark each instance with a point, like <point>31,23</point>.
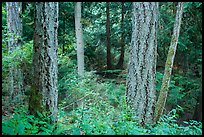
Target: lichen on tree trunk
<point>141,80</point>
<point>14,31</point>
<point>169,64</point>
<point>44,93</point>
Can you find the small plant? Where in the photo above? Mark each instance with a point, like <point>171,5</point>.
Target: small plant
<point>20,123</point>
<point>168,126</point>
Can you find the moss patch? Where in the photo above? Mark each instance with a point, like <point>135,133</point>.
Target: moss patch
<point>35,101</point>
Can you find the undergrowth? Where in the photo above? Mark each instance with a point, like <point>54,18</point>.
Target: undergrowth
<point>93,107</point>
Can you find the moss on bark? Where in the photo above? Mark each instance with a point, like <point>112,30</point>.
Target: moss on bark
<point>169,64</point>
<point>35,101</point>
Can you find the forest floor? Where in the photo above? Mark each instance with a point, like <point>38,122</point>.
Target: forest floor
<point>92,105</point>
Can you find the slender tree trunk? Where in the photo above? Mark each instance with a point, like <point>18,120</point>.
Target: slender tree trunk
<point>63,50</point>
<point>14,26</point>
<point>79,39</point>
<point>108,48</point>
<point>141,82</point>
<point>44,93</point>
<point>198,108</point>
<point>169,63</point>
<point>122,50</point>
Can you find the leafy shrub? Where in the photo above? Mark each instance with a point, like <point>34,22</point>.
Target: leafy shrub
<point>20,123</point>
<point>104,111</point>
<point>168,126</point>
<point>20,55</point>
<point>90,106</point>
<point>19,58</point>
<point>183,90</point>
<point>95,113</point>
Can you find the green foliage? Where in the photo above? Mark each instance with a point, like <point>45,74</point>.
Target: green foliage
<point>20,57</point>
<point>98,115</point>
<point>4,24</point>
<point>183,90</point>
<point>94,105</point>
<point>168,126</point>
<point>28,20</point>
<point>159,77</point>
<point>95,41</point>
<point>99,108</point>
<point>66,35</point>
<point>21,123</point>
<point>189,49</point>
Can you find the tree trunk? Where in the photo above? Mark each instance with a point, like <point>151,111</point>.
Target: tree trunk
<point>141,82</point>
<point>63,50</point>
<point>122,50</point>
<point>108,48</point>
<point>14,26</point>
<point>79,39</point>
<point>198,109</point>
<point>44,93</point>
<point>169,64</point>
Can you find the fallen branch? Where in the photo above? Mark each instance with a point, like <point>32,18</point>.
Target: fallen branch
<point>75,101</point>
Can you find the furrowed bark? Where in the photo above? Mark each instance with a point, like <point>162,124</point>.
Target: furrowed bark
<point>44,93</point>
<point>141,83</point>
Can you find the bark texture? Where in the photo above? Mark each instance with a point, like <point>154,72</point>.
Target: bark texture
<point>122,43</point>
<point>14,31</point>
<point>79,39</point>
<point>169,64</point>
<point>108,46</point>
<point>141,88</point>
<point>44,93</point>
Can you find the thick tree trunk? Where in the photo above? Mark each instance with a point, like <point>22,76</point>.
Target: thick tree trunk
<point>141,83</point>
<point>14,26</point>
<point>169,64</point>
<point>108,48</point>
<point>44,93</point>
<point>122,50</point>
<point>79,39</point>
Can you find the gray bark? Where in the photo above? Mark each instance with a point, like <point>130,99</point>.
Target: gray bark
<point>108,46</point>
<point>169,63</point>
<point>44,93</point>
<point>14,31</point>
<point>122,43</point>
<point>141,81</point>
<point>79,39</point>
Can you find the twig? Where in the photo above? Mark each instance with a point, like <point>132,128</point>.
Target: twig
<point>76,101</point>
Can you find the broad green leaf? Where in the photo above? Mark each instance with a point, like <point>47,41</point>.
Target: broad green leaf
<point>39,114</point>
<point>76,131</point>
<point>7,130</point>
